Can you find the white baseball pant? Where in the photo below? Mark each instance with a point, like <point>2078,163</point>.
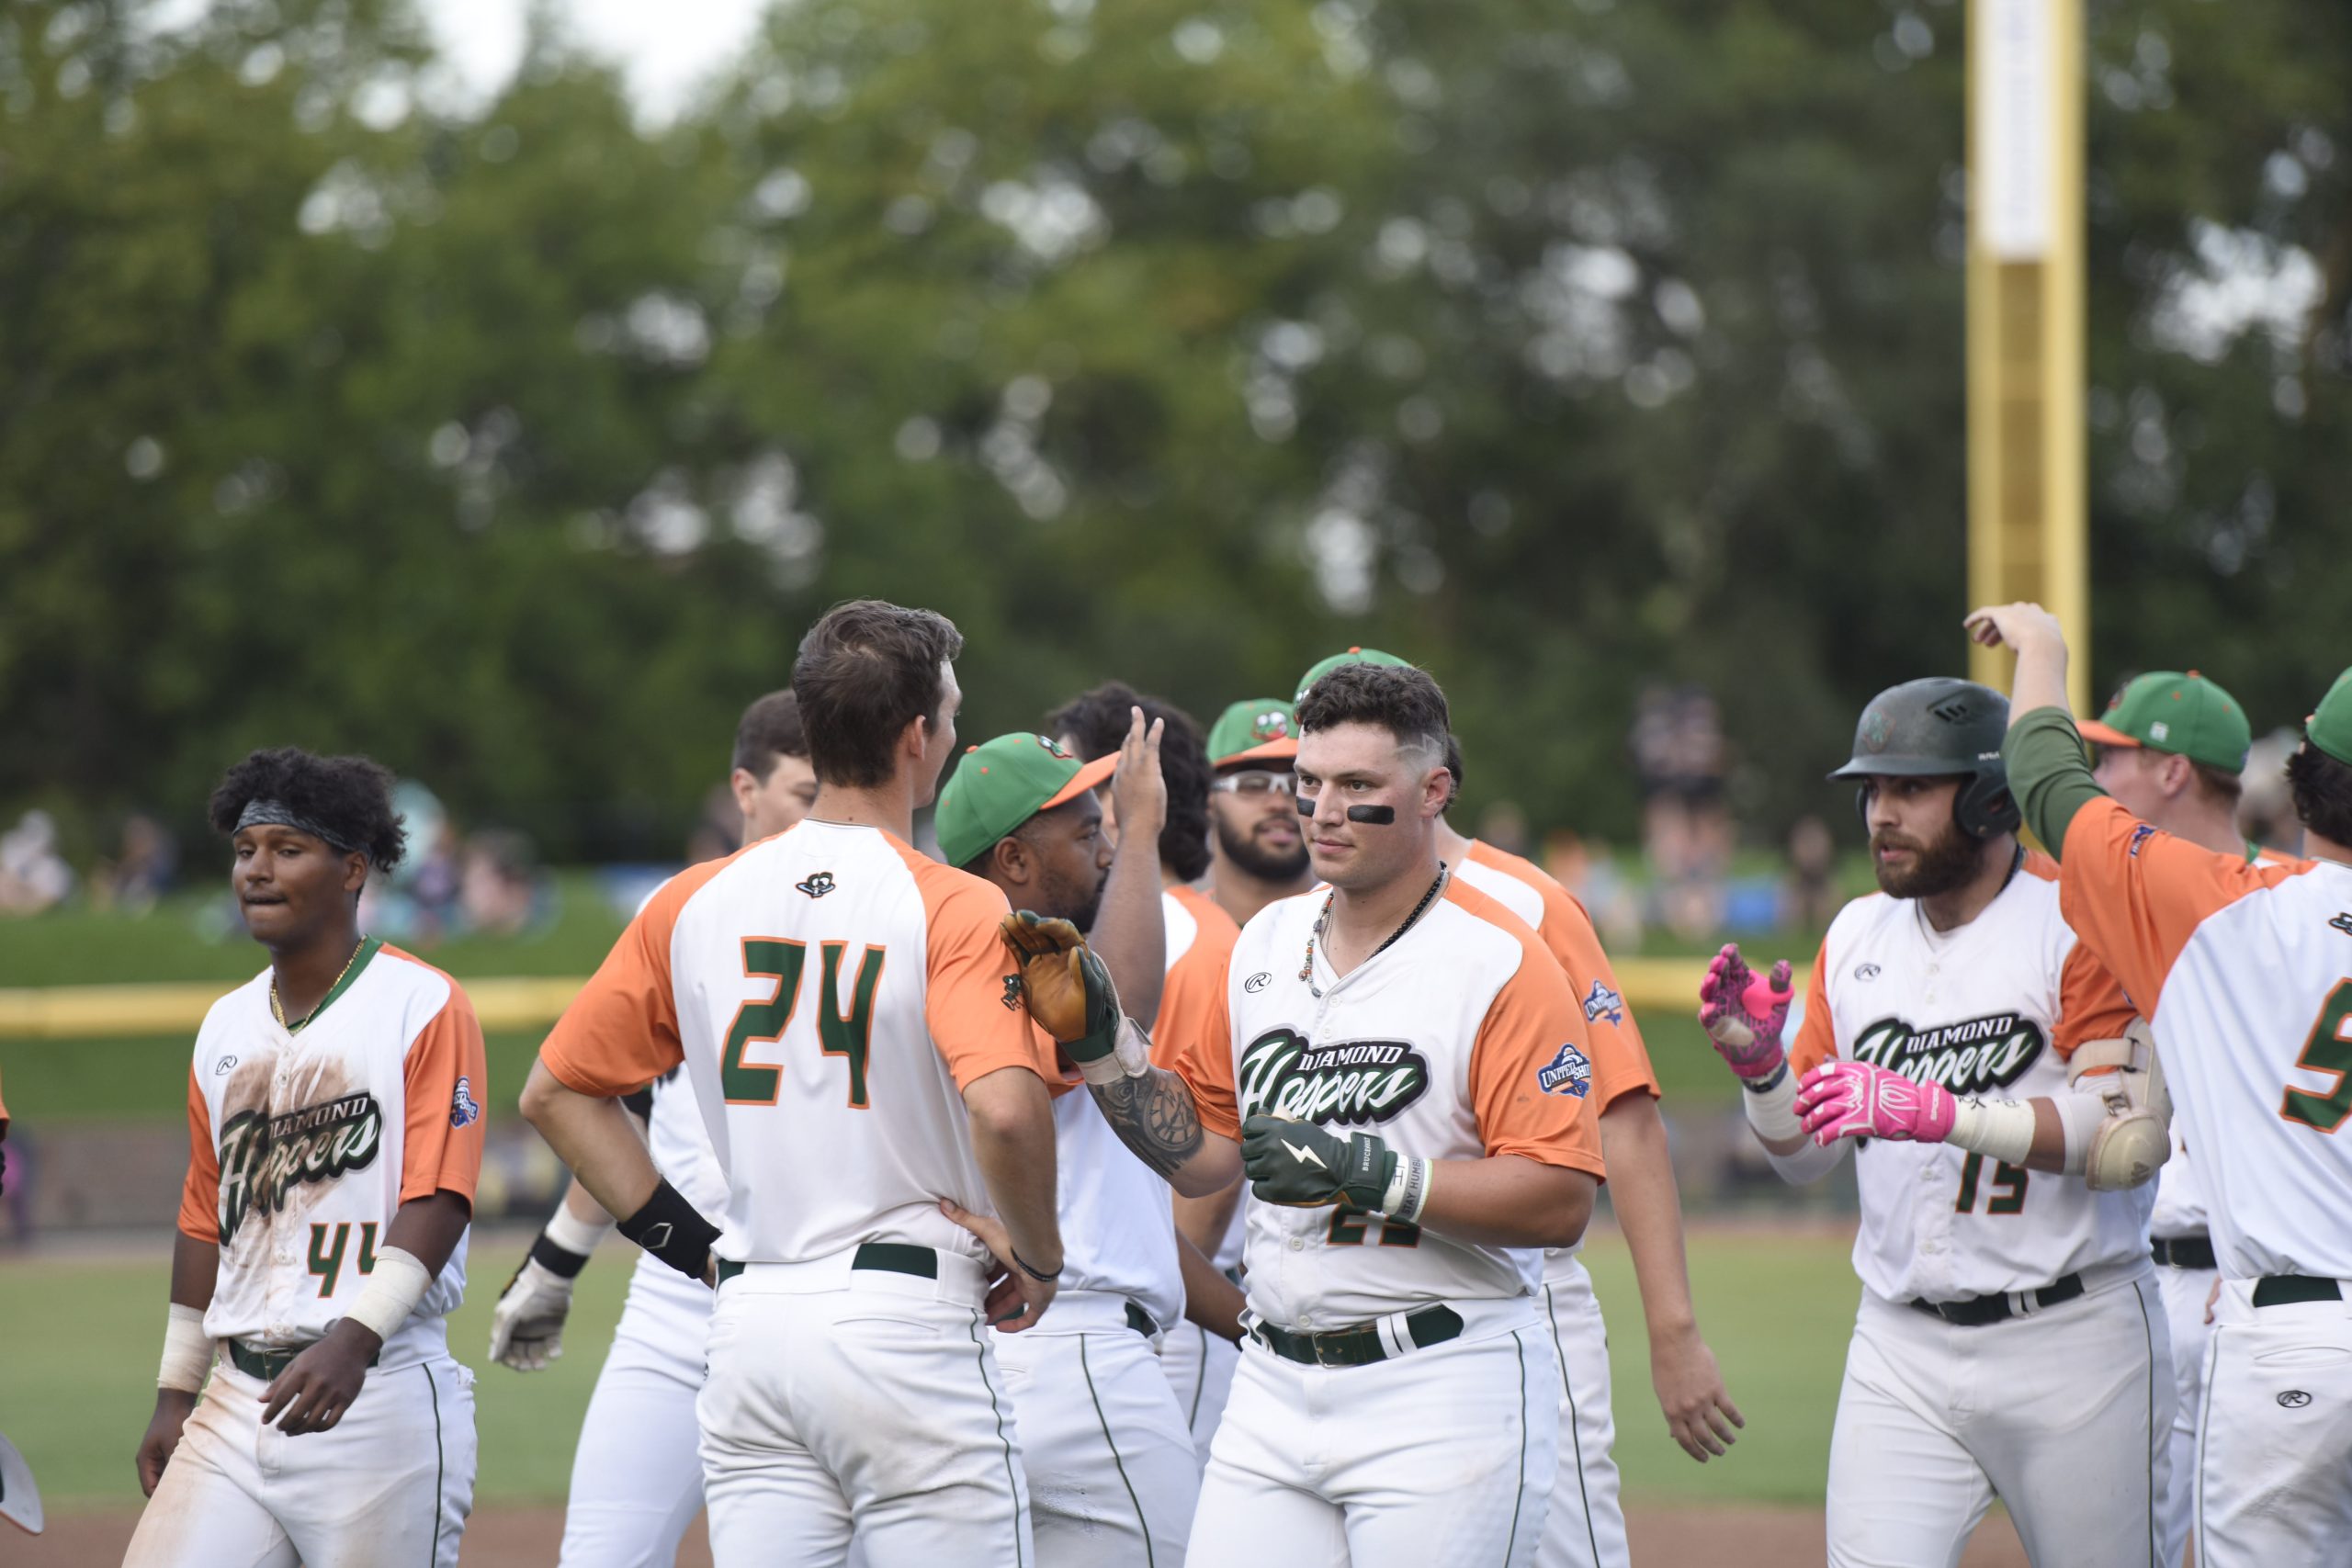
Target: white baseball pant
<point>2275,1456</point>
<point>862,1401</point>
<point>1586,1526</point>
<point>635,1476</point>
<point>1439,1458</point>
<point>392,1482</point>
<point>1199,1366</point>
<point>1113,1480</point>
<point>2184,1292</point>
<point>2066,1413</point>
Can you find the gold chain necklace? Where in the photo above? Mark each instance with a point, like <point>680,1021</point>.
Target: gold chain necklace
<point>278,1012</point>
<point>1306,969</point>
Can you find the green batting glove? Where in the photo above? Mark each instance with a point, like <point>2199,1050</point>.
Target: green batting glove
<point>1300,1165</point>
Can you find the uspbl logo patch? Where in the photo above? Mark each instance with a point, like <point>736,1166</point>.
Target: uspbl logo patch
<point>464,1110</point>
<point>2141,835</point>
<point>1569,1074</point>
<point>1602,1001</point>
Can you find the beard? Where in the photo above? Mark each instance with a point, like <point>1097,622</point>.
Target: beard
<point>1078,903</point>
<point>1252,860</point>
<point>1940,867</point>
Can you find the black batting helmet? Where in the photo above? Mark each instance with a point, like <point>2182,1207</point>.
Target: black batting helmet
<point>1936,728</point>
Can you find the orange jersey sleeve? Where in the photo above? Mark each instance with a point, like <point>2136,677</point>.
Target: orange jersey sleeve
<point>621,1031</point>
<point>200,1193</point>
<point>445,1081</point>
<point>1192,1000</point>
<point>2091,1003</point>
<point>1525,1089</point>
<point>1204,1059</point>
<point>972,992</point>
<point>1817,1040</point>
<point>2135,895</point>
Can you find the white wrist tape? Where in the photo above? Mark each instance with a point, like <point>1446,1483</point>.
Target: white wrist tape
<point>398,1284</point>
<point>1773,1111</point>
<point>1998,1129</point>
<point>1130,1057</point>
<point>573,1234</point>
<point>1409,1189</point>
<point>187,1350</point>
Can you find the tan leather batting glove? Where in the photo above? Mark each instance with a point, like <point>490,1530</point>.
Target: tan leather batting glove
<point>1064,985</point>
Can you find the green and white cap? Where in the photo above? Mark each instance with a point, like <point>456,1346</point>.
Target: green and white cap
<point>2183,713</point>
<point>1002,783</point>
<point>1354,655</point>
<point>1255,729</point>
<point>2330,725</point>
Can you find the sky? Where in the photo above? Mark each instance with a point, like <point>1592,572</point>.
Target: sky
<point>665,46</point>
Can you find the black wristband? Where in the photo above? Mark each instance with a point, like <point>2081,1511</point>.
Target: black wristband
<point>561,1262</point>
<point>673,1230</point>
<point>1766,1084</point>
<point>1033,1270</point>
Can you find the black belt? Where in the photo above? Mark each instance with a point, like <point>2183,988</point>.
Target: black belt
<point>1359,1346</point>
<point>2285,1289</point>
<point>890,1256</point>
<point>267,1364</point>
<point>1978,1311</point>
<point>1141,1321</point>
<point>2182,1251</point>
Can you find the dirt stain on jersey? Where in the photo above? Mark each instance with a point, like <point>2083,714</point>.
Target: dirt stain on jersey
<point>282,1144</point>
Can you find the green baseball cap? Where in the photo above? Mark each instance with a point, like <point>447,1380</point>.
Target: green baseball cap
<point>1002,783</point>
<point>2185,715</point>
<point>1255,729</point>
<point>2330,725</point>
<point>1354,655</point>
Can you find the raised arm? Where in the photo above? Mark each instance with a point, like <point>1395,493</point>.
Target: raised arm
<point>1131,926</point>
<point>1743,1013</point>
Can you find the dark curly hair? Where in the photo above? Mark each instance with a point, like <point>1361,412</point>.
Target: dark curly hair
<point>1096,722</point>
<point>349,796</point>
<point>2322,792</point>
<point>1400,699</point>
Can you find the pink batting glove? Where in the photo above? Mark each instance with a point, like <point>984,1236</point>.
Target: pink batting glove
<point>1743,1013</point>
<point>1855,1100</point>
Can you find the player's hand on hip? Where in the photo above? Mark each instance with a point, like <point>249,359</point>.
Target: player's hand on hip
<point>1138,790</point>
<point>1016,1297</point>
<point>1855,1100</point>
<point>1698,1408</point>
<point>1299,1165</point>
<point>526,1326</point>
<point>319,1384</point>
<point>1064,985</point>
<point>1744,1012</point>
<point>172,1407</point>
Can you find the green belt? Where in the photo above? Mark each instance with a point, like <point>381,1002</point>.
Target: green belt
<point>267,1364</point>
<point>1359,1345</point>
<point>891,1256</point>
<point>2285,1289</point>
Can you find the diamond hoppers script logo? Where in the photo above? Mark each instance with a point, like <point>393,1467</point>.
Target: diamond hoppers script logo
<point>1972,1057</point>
<point>261,1156</point>
<point>1352,1083</point>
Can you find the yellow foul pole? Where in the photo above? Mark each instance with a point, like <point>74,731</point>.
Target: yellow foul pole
<point>2027,487</point>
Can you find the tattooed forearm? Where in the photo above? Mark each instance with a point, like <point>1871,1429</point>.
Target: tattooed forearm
<point>1154,1116</point>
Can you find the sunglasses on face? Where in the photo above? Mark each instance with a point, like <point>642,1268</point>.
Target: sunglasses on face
<point>1257,782</point>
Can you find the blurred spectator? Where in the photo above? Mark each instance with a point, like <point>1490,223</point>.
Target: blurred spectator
<point>33,875</point>
<point>1680,759</point>
<point>719,831</point>
<point>1813,876</point>
<point>2267,809</point>
<point>1589,871</point>
<point>142,872</point>
<point>498,884</point>
<point>1504,824</point>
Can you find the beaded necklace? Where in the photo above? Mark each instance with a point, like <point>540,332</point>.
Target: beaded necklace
<point>1306,969</point>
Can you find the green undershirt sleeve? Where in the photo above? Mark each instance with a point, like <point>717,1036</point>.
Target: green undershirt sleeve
<point>2048,773</point>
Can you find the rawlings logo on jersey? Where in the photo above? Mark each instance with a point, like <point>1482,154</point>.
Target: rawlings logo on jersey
<point>262,1155</point>
<point>1602,1001</point>
<point>1353,1082</point>
<point>1569,1074</point>
<point>1975,1057</point>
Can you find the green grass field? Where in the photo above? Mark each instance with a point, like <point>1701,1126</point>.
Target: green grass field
<point>77,1379</point>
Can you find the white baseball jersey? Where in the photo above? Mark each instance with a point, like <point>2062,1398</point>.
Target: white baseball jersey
<point>303,1146</point>
<point>832,992</point>
<point>1995,1008</point>
<point>1459,1040</point>
<point>2244,974</point>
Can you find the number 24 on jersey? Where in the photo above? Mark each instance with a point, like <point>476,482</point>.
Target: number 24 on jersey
<point>846,1035</point>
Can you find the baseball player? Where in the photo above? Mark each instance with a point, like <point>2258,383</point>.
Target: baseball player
<point>1197,1354</point>
<point>1401,1079</point>
<point>2244,974</point>
<point>636,1478</point>
<point>1586,1526</point>
<point>2004,1121</point>
<point>1110,1470</point>
<point>2171,748</point>
<point>335,1135</point>
<point>856,1047</point>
